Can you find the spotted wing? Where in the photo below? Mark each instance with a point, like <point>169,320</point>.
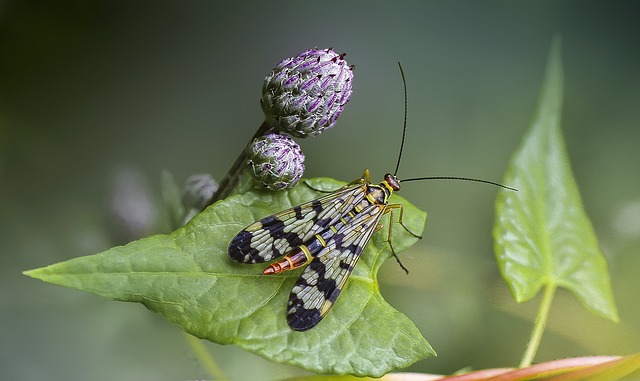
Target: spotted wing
<point>320,284</point>
<point>276,235</point>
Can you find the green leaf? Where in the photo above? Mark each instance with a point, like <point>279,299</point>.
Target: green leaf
<point>188,278</point>
<point>542,234</point>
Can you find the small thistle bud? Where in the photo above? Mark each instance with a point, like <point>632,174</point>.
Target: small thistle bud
<point>305,94</point>
<point>198,190</point>
<point>276,161</point>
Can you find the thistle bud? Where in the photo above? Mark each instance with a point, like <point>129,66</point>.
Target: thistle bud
<point>198,190</point>
<point>276,161</point>
<point>305,94</point>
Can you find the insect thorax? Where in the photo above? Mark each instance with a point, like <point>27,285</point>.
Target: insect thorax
<point>378,193</point>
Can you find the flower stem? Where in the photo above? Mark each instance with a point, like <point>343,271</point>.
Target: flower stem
<point>231,180</point>
<point>204,358</point>
<point>539,326</point>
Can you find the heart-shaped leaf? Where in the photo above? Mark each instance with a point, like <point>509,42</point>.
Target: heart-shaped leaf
<point>542,234</point>
<point>188,278</point>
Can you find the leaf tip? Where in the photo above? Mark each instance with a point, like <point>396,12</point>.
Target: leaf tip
<point>33,273</point>
<point>38,273</point>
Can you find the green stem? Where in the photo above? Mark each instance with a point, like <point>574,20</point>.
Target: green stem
<point>230,181</point>
<point>540,324</point>
<point>204,358</point>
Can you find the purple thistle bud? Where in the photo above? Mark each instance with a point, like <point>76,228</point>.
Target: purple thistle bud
<point>305,94</point>
<point>276,161</point>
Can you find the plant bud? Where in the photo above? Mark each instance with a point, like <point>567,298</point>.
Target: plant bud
<point>305,94</point>
<point>275,161</point>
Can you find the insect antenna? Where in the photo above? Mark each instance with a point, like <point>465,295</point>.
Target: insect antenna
<point>459,178</point>
<point>404,124</point>
<point>404,132</point>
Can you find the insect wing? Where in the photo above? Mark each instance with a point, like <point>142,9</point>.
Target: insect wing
<point>276,235</point>
<point>321,282</point>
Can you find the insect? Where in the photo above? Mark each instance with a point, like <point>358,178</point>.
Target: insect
<point>327,235</point>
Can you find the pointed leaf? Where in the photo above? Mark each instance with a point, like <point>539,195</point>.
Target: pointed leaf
<point>188,278</point>
<point>542,233</point>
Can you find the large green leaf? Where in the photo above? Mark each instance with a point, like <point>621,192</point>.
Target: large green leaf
<point>542,234</point>
<point>188,278</point>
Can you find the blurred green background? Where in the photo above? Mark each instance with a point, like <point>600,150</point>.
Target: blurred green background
<point>97,98</point>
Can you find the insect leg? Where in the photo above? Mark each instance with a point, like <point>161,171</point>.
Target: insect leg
<point>389,209</point>
<point>399,206</point>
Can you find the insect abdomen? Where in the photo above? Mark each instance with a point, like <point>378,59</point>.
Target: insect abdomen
<point>303,254</point>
